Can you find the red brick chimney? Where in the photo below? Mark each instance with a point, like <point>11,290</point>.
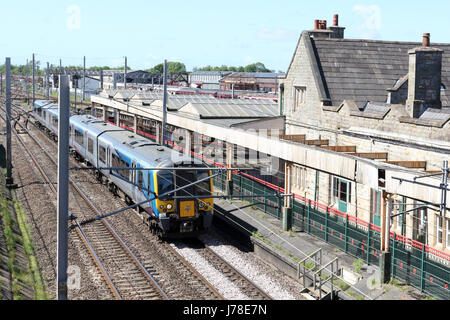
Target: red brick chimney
<point>336,20</point>
<point>426,40</point>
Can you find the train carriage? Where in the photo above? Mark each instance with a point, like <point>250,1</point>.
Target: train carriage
<point>105,146</point>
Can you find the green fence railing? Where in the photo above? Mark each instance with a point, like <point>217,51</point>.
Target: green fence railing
<point>414,266</point>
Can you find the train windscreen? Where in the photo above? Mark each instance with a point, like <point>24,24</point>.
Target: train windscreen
<point>165,182</point>
<point>203,188</point>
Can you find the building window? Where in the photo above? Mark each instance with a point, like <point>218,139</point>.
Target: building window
<point>341,191</point>
<point>400,207</point>
<point>439,229</point>
<point>299,97</point>
<point>298,177</point>
<point>420,225</point>
<point>375,207</point>
<point>448,232</point>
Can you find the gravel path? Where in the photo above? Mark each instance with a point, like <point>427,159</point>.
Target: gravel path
<point>255,273</point>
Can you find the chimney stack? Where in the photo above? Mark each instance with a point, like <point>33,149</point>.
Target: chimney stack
<point>426,40</point>
<point>336,20</point>
<point>316,24</point>
<point>321,31</point>
<point>338,32</point>
<point>424,78</point>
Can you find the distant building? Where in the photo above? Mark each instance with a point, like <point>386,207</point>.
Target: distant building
<point>259,81</point>
<point>92,84</point>
<point>207,79</point>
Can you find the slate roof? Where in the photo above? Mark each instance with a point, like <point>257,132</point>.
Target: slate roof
<point>362,70</point>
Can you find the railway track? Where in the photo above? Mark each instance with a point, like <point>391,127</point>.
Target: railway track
<point>118,264</point>
<point>126,277</point>
<point>247,287</point>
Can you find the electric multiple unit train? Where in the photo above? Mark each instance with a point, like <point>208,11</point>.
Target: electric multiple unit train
<point>142,170</point>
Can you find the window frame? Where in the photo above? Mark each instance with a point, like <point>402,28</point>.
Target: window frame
<point>439,230</point>
<point>299,97</point>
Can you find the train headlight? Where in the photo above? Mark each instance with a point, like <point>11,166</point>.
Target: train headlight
<point>161,207</point>
<point>201,204</point>
<point>169,206</point>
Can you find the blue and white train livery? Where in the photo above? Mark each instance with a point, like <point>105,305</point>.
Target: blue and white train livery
<point>185,213</point>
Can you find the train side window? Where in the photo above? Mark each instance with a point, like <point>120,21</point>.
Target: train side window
<point>39,112</point>
<point>54,121</point>
<point>140,181</point>
<point>79,137</point>
<point>102,154</point>
<point>90,146</point>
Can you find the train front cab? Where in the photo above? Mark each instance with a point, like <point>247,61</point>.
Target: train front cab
<point>188,216</point>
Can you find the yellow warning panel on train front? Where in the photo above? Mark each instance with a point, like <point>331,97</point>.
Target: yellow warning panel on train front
<point>187,209</point>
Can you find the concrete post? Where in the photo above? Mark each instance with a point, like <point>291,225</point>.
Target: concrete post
<point>34,85</point>
<point>47,81</point>
<point>135,124</point>
<point>287,209</point>
<point>105,114</point>
<point>164,124</point>
<point>230,157</point>
<point>9,179</point>
<point>84,78</point>
<point>63,187</point>
<point>125,75</point>
<point>385,256</point>
<point>188,143</point>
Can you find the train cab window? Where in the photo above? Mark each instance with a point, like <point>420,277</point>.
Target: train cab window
<point>203,188</point>
<point>165,182</point>
<point>102,154</point>
<point>79,137</point>
<point>90,146</point>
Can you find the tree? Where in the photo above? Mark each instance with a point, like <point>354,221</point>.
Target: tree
<point>172,67</point>
<point>255,67</point>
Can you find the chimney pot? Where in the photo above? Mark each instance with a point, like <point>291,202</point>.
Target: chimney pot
<point>316,24</point>
<point>336,20</point>
<point>322,24</point>
<point>426,40</point>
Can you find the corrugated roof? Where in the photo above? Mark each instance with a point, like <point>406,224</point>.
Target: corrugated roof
<point>229,111</point>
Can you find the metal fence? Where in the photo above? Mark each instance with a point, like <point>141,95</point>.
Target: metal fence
<point>412,262</point>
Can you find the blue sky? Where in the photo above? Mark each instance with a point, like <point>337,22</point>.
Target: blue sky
<point>198,32</point>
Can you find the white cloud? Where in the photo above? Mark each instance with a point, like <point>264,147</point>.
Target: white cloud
<point>272,34</point>
<point>371,20</point>
<point>73,22</point>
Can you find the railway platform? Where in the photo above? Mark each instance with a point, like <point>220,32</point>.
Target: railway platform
<point>362,281</point>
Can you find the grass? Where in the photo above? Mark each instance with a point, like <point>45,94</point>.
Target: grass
<point>358,265</point>
<point>31,276</point>
<point>38,284</point>
<point>11,240</point>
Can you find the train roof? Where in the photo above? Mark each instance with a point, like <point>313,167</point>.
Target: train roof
<point>152,154</point>
<point>47,104</point>
<point>94,125</point>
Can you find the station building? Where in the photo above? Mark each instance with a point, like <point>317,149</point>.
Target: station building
<point>356,123</point>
